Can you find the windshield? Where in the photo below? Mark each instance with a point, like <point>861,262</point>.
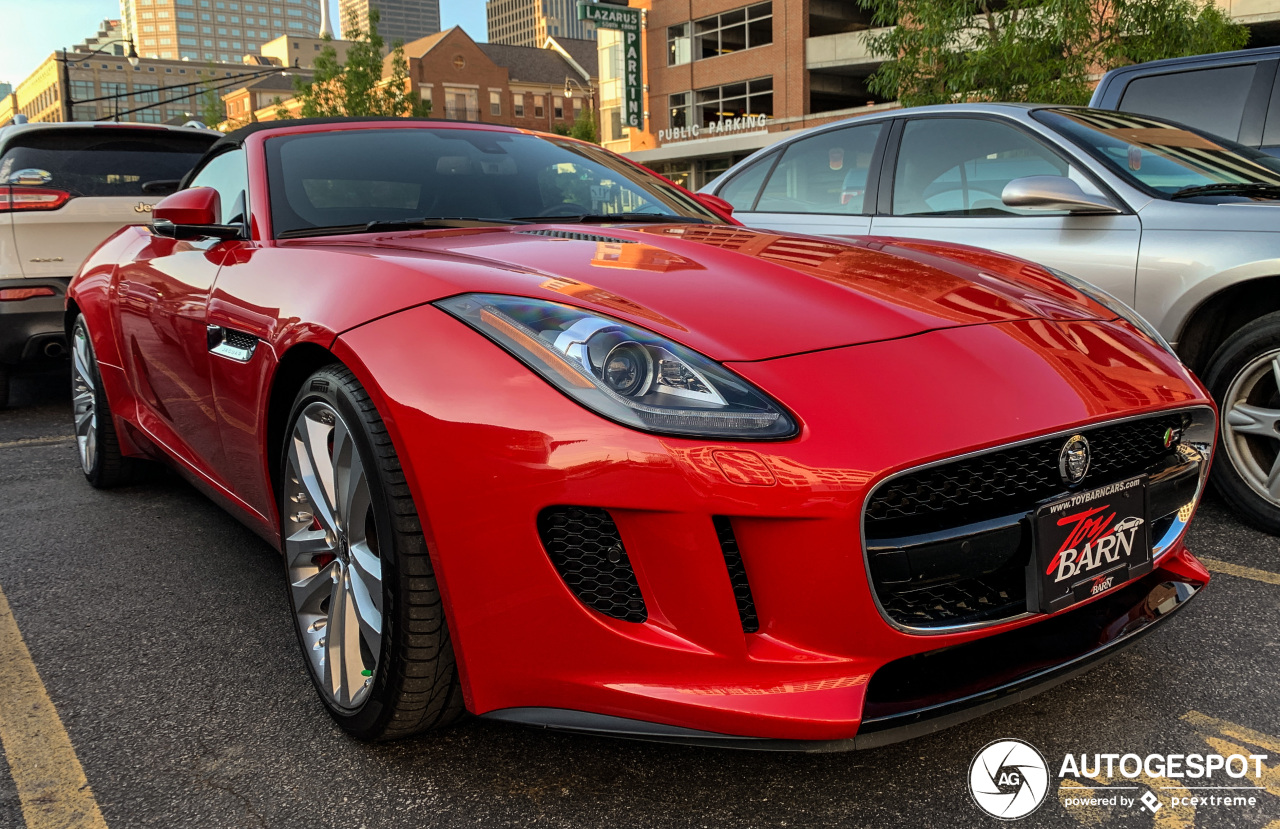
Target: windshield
<point>345,179</point>
<point>1163,158</point>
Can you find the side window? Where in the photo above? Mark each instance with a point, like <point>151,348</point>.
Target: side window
<point>229,175</point>
<point>1208,99</point>
<point>825,173</point>
<point>742,189</point>
<point>959,167</point>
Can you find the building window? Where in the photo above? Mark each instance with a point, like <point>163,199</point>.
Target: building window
<point>557,105</point>
<point>733,31</point>
<point>539,106</point>
<point>678,44</point>
<point>735,100</point>
<point>517,103</point>
<point>680,113</point>
<point>495,102</point>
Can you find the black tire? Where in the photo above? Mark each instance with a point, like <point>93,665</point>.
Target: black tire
<point>4,385</point>
<point>414,685</point>
<point>100,458</point>
<point>1241,357</point>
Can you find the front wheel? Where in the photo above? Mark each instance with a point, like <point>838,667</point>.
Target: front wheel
<point>361,586</point>
<point>103,464</point>
<point>1244,377</point>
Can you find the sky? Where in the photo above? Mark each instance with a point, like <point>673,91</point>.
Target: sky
<point>30,30</point>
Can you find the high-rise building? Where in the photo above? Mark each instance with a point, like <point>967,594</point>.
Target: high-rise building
<point>398,20</point>
<point>531,22</point>
<point>213,30</point>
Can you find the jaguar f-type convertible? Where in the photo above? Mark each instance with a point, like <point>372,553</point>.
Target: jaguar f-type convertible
<point>545,438</point>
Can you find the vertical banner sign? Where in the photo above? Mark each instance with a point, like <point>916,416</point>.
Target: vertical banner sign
<point>628,22</point>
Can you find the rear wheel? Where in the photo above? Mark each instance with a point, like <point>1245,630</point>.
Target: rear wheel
<point>1244,377</point>
<point>96,442</point>
<point>367,609</point>
<point>4,385</point>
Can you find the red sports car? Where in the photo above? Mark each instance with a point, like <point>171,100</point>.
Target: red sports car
<point>543,437</point>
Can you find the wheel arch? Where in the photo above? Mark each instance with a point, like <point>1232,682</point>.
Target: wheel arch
<point>295,365</point>
<point>1223,313</point>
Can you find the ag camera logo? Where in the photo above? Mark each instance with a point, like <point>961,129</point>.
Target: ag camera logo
<point>1008,779</point>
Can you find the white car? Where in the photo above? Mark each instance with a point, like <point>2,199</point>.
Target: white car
<point>63,189</point>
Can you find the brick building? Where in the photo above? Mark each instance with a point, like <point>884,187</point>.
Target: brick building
<point>516,86</point>
<point>519,86</point>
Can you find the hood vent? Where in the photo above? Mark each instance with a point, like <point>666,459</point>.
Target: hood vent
<point>579,237</point>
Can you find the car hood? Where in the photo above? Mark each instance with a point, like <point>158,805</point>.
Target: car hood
<point>732,293</point>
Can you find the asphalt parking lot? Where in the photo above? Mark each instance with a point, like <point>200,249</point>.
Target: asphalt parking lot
<point>159,630</point>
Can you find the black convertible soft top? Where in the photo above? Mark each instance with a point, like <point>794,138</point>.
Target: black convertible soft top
<point>236,138</point>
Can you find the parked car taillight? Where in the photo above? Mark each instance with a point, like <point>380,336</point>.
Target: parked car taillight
<point>32,198</point>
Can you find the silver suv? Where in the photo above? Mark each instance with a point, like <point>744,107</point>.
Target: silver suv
<point>1181,225</point>
<point>63,189</point>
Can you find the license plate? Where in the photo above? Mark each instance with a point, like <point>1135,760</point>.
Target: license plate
<point>1087,543</point>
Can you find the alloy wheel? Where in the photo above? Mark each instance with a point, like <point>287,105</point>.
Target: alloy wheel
<point>331,546</point>
<point>1251,424</point>
<point>83,403</point>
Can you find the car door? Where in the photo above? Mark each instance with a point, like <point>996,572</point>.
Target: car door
<point>943,180</point>
<point>162,300</point>
<point>821,184</point>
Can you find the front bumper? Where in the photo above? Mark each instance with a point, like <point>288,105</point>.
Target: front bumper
<point>487,446</point>
<point>928,692</point>
<point>29,328</point>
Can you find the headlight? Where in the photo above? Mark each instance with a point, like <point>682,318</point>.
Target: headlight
<point>1120,309</point>
<point>622,372</point>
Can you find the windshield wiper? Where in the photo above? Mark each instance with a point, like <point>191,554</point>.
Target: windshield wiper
<point>419,223</point>
<point>617,218</point>
<point>1226,189</point>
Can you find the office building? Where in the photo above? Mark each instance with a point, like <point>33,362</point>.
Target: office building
<point>531,22</point>
<point>400,21</point>
<point>213,30</point>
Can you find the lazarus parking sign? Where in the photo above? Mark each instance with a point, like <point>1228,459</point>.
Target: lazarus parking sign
<point>628,22</point>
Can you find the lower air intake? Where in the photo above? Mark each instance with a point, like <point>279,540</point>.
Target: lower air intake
<point>586,549</point>
<point>737,574</point>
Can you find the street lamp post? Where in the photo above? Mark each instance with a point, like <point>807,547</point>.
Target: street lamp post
<point>68,113</point>
<point>590,89</point>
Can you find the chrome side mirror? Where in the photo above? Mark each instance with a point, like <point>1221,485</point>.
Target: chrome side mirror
<point>30,177</point>
<point>1054,193</point>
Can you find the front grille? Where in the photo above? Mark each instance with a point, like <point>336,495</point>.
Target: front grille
<point>959,602</point>
<point>1013,480</point>
<point>737,574</point>
<point>586,549</point>
<point>948,545</point>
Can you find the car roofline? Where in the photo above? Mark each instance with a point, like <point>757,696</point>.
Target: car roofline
<point>237,137</point>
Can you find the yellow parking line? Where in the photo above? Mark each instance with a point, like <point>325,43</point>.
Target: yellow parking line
<point>51,784</point>
<point>1243,572</point>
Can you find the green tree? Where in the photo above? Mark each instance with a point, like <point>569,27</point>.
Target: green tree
<point>212,110</point>
<point>1042,51</point>
<point>584,126</point>
<point>357,86</point>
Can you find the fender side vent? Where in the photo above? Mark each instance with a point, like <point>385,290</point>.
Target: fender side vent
<point>737,573</point>
<point>586,549</point>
